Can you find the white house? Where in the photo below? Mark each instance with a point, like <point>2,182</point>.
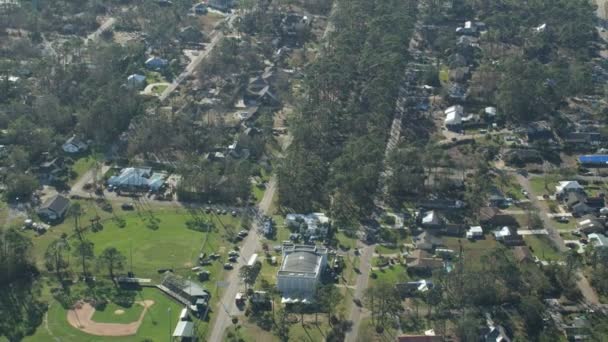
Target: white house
<point>490,112</point>
<point>564,187</point>
<point>502,234</point>
<point>453,116</point>
<point>74,145</point>
<point>474,232</point>
<point>300,272</point>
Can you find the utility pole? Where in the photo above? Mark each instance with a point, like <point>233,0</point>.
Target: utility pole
<point>131,255</point>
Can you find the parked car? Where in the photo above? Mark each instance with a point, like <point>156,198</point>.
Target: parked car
<point>127,206</point>
<point>233,259</point>
<point>228,266</point>
<point>562,219</point>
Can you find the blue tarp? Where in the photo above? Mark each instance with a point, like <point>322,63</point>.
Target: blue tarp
<point>597,159</point>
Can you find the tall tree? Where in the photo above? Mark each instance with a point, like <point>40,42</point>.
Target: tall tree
<point>84,250</point>
<point>112,259</point>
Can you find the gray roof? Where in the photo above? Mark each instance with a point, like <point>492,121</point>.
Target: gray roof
<point>301,262</point>
<point>58,204</point>
<point>184,329</point>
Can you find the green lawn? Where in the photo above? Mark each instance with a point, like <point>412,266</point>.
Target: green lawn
<point>346,242</point>
<point>542,247</point>
<point>392,274</point>
<point>156,324</point>
<point>154,77</point>
<point>159,89</point>
<point>110,314</point>
<point>538,184</point>
<point>171,245</point>
<point>473,250</point>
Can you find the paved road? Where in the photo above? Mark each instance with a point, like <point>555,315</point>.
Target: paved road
<point>586,289</point>
<point>227,308</point>
<point>365,266</point>
<point>105,26</point>
<point>191,68</point>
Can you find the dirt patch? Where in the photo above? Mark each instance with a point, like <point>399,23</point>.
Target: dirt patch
<point>80,318</point>
<point>119,312</point>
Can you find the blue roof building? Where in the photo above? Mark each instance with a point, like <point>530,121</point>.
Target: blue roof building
<point>156,63</point>
<point>594,160</point>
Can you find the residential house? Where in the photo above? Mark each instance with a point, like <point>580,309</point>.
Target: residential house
<point>52,170</point>
<point>457,91</point>
<point>200,9</point>
<point>410,288</point>
<point>474,232</point>
<point>598,240</point>
<point>432,220</point>
<point>427,241</point>
<point>300,272</point>
<point>221,5</point>
<point>136,81</point>
<point>315,224</point>
<point>453,117</point>
<point>497,199</point>
<point>74,145</point>
<point>156,63</point>
<point>583,140</point>
<point>509,236</point>
<point>565,187</point>
<point>189,34</point>
<point>579,204</point>
<point>590,224</point>
<point>539,130</point>
<point>293,24</point>
<point>490,113</point>
<point>54,209</point>
<point>494,332</point>
<point>422,262</point>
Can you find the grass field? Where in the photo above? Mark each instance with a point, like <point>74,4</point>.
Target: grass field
<point>392,275</point>
<point>156,324</point>
<point>473,250</point>
<point>541,247</point>
<point>170,245</point>
<point>109,314</point>
<point>157,238</point>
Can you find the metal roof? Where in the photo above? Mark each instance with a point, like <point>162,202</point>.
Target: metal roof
<point>301,262</point>
<point>594,159</point>
<point>184,329</point>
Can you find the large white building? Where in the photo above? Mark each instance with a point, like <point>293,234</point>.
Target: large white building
<point>300,272</point>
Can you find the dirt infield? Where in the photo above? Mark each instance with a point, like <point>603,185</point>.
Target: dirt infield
<point>80,318</point>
